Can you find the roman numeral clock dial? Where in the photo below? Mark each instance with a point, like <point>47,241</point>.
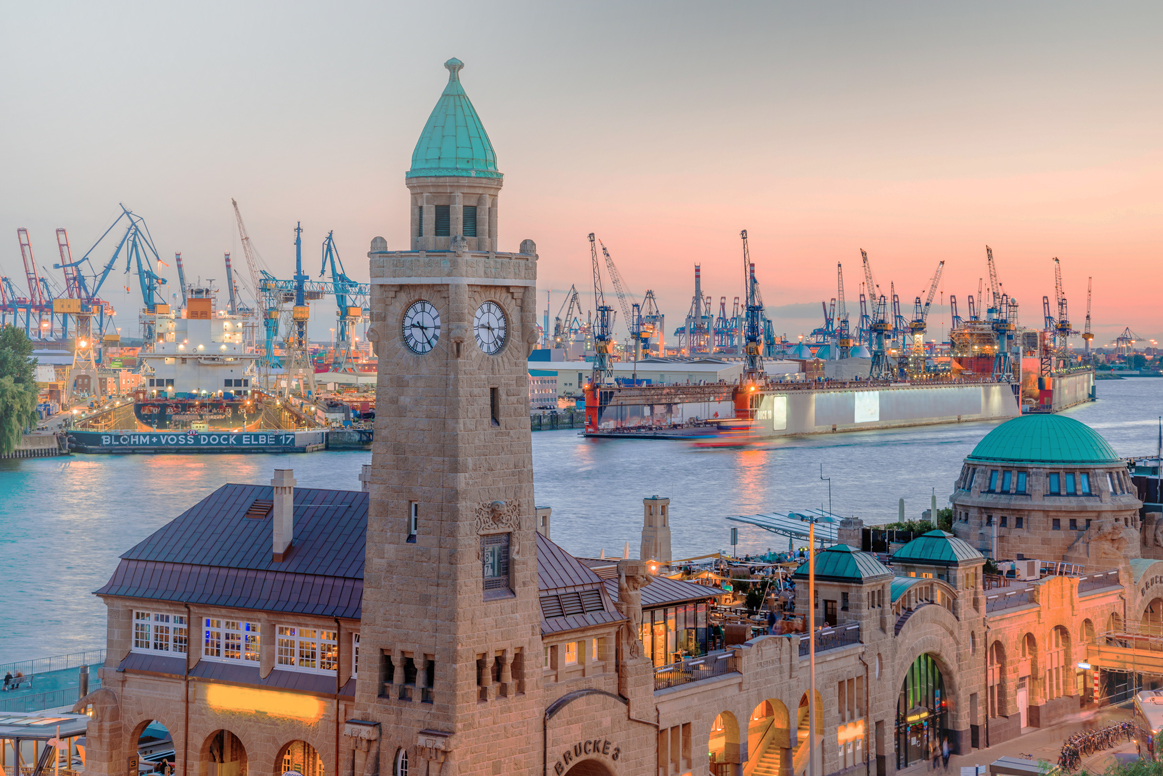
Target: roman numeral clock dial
<point>421,327</point>
<point>491,328</point>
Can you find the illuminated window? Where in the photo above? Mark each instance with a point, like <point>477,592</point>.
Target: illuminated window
<point>306,649</point>
<point>571,653</point>
<point>230,640</point>
<point>594,650</point>
<point>157,633</point>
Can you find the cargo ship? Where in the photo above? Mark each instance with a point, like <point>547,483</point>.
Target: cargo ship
<point>200,393</point>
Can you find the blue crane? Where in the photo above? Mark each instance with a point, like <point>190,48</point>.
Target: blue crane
<point>350,299</point>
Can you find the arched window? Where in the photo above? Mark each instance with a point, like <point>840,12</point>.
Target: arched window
<point>401,766</point>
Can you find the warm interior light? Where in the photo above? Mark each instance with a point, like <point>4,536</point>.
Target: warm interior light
<point>276,704</point>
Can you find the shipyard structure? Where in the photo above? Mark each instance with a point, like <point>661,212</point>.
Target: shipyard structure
<point>429,624</point>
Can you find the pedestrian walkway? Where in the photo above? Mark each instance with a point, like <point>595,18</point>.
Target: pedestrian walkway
<point>1045,744</point>
<point>49,683</point>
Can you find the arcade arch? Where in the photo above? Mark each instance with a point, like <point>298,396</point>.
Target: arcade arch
<point>223,755</point>
<point>589,768</point>
<point>996,675</point>
<point>723,744</point>
<point>155,746</point>
<point>299,757</point>
<point>921,711</point>
<point>1153,615</point>
<point>1059,667</point>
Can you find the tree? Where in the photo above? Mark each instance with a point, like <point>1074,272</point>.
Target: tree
<point>17,387</point>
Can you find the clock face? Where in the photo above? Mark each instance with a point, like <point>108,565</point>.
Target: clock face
<point>491,328</point>
<point>421,327</point>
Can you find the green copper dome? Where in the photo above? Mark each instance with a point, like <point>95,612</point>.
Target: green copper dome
<point>936,548</point>
<point>841,563</point>
<point>454,142</point>
<point>1044,439</point>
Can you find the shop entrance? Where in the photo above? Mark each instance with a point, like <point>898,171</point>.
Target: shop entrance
<point>920,712</point>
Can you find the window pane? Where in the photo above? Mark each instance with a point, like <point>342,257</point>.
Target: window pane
<point>1070,483</point>
<point>993,480</point>
<point>1055,487</point>
<point>1021,482</point>
<point>469,223</point>
<point>1005,481</point>
<point>443,221</point>
<point>1084,483</point>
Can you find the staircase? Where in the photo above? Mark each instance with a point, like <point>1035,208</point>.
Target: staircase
<point>767,763</point>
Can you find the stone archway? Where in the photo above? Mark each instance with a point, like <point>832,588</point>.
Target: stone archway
<point>223,755</point>
<point>769,737</point>
<point>1153,615</point>
<point>589,768</point>
<point>723,743</point>
<point>922,711</point>
<point>996,682</point>
<point>299,757</point>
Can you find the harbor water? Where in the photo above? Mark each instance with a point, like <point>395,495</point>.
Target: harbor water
<point>65,521</point>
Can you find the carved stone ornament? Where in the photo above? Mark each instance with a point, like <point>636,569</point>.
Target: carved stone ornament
<point>459,245</point>
<point>498,516</point>
<point>494,517</point>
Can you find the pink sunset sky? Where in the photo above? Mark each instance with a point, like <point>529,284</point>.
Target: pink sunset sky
<point>919,132</point>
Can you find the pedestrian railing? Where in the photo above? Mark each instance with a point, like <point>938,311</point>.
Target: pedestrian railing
<point>707,667</point>
<point>1002,601</point>
<point>831,638</point>
<point>66,696</point>
<point>43,665</point>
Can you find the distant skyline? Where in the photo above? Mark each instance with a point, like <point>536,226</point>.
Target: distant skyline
<point>917,132</point>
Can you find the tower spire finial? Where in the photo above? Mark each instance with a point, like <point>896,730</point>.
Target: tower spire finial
<point>454,65</point>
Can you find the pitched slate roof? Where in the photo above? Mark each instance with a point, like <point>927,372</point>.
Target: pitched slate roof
<point>842,563</point>
<point>572,596</point>
<point>663,591</point>
<point>213,554</point>
<point>937,548</point>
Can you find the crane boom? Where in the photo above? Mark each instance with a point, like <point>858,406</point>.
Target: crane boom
<point>933,288</point>
<point>229,286</point>
<point>869,286</point>
<point>624,299</point>
<point>1086,331</point>
<point>34,295</point>
<point>994,287</point>
<point>843,310</point>
<point>182,276</point>
<point>69,269</point>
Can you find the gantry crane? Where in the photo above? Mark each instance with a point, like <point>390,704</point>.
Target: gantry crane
<point>1062,329</point>
<point>565,329</point>
<point>182,278</point>
<point>35,298</point>
<point>653,324</point>
<point>880,330</point>
<point>919,323</point>
<point>1002,314</point>
<point>351,298</point>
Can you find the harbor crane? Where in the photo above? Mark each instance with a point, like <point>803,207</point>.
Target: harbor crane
<point>231,289</point>
<point>265,297</point>
<point>625,300</point>
<point>1125,342</point>
<point>564,329</point>
<point>1002,316</point>
<point>843,335</point>
<point>1062,328</point>
<point>1087,336</point>
<point>603,342</point>
<point>919,323</point>
<point>880,329</point>
<point>954,317</point>
<point>653,324</point>
<point>869,286</point>
<point>754,330</point>
<point>351,298</point>
<point>900,332</point>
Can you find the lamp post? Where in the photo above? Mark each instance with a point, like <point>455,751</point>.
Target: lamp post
<point>812,647</point>
<point>829,481</point>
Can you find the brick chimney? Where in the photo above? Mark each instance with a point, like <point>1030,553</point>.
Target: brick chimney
<point>283,513</point>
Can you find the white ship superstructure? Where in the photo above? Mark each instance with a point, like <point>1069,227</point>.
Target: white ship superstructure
<point>202,353</point>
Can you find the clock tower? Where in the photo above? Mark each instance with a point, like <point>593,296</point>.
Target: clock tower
<point>450,642</point>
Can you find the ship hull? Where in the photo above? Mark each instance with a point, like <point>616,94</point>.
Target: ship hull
<point>123,442</point>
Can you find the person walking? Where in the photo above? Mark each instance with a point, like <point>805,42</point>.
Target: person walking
<point>771,622</point>
<point>7,680</point>
<point>945,753</point>
<point>934,754</point>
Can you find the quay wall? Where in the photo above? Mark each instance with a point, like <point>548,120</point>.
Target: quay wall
<point>800,412</point>
<point>37,446</point>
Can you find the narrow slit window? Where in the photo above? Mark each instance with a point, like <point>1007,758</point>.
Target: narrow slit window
<point>495,405</point>
<point>420,223</point>
<point>469,222</point>
<point>413,521</point>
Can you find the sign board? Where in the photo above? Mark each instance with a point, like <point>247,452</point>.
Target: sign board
<point>200,441</point>
<point>734,536</point>
<point>45,373</point>
<point>131,765</point>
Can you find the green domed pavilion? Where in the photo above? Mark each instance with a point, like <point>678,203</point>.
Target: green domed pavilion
<point>1044,439</point>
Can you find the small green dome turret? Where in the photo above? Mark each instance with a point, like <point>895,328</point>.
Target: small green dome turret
<point>454,142</point>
